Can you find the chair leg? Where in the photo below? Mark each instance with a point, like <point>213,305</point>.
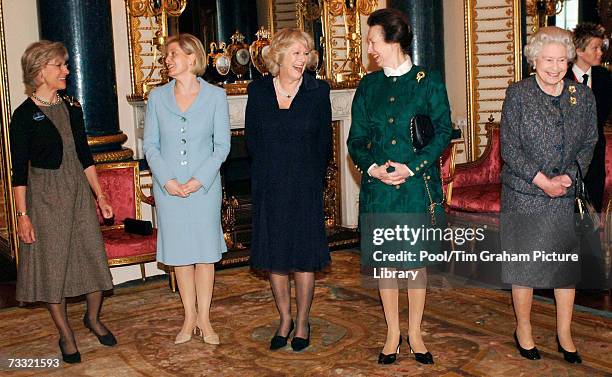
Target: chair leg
<point>172,280</point>
<point>142,272</point>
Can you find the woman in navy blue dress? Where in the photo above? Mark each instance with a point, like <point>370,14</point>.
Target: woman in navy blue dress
<point>288,132</point>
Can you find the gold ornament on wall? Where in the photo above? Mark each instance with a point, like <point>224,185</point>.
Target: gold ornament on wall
<point>153,13</point>
<point>258,48</point>
<point>540,10</point>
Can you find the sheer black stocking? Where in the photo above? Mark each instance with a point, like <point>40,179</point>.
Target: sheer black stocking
<point>281,289</point>
<point>94,304</point>
<point>59,314</point>
<point>304,292</point>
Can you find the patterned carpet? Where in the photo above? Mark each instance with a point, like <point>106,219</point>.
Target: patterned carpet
<point>469,332</point>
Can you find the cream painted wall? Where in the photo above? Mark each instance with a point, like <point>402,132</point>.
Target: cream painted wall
<point>454,58</point>
<point>21,29</point>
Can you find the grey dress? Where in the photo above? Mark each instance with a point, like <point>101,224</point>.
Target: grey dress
<point>542,133</point>
<point>68,258</point>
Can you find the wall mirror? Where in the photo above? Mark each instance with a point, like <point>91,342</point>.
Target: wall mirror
<point>335,26</point>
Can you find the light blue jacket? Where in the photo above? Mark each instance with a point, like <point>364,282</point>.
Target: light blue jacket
<point>184,145</point>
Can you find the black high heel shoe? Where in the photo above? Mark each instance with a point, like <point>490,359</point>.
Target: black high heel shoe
<point>390,359</point>
<point>70,358</point>
<point>278,342</point>
<point>531,354</point>
<point>423,358</point>
<point>106,339</point>
<point>570,357</point>
<point>298,343</point>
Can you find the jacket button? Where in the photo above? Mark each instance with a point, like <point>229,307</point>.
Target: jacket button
<point>397,187</point>
<point>393,142</point>
<point>391,99</point>
<point>183,141</point>
<point>391,120</point>
<point>183,119</point>
<point>555,171</point>
<point>394,79</point>
<point>183,152</point>
<point>183,163</point>
<point>182,130</point>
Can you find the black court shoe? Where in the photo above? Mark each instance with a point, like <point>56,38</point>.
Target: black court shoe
<point>532,354</point>
<point>390,359</point>
<point>570,357</point>
<point>70,358</point>
<point>298,343</point>
<point>106,339</point>
<point>423,358</point>
<point>278,342</point>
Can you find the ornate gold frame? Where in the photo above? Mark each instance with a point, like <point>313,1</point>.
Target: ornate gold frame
<point>472,92</point>
<point>12,243</point>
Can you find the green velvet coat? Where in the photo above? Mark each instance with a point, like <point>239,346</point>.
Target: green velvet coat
<point>380,131</point>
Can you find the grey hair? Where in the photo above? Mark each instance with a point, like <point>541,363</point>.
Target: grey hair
<point>546,35</point>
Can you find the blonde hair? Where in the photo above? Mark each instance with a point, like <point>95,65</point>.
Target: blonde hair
<point>192,46</point>
<point>36,57</point>
<point>546,35</point>
<point>281,42</point>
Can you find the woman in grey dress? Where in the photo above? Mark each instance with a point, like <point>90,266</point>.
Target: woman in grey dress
<point>548,126</point>
<point>61,253</point>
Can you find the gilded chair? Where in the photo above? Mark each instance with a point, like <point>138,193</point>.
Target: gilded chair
<point>120,183</point>
<point>476,185</point>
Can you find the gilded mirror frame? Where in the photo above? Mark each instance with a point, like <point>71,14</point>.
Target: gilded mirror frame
<point>483,102</point>
<point>9,244</point>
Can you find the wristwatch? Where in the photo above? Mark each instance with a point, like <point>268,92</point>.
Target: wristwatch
<point>20,214</point>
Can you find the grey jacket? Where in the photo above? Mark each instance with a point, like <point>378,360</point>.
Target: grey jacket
<point>542,133</point>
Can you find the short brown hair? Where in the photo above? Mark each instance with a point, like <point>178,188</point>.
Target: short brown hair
<point>282,40</point>
<point>192,46</point>
<point>34,59</point>
<point>583,33</point>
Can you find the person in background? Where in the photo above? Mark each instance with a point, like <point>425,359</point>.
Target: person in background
<point>186,139</point>
<point>61,251</point>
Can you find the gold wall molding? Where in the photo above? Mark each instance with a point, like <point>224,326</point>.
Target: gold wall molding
<point>493,61</point>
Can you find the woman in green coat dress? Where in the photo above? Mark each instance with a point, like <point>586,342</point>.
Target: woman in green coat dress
<point>397,178</point>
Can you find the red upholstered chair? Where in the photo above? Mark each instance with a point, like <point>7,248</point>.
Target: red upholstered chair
<point>476,185</point>
<point>607,203</point>
<point>120,183</point>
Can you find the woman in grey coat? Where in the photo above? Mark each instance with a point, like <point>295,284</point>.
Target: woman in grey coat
<point>548,126</point>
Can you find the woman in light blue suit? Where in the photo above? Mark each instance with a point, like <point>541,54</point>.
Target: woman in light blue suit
<point>186,139</point>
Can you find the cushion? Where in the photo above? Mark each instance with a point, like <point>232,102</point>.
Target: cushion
<point>120,244</point>
<point>477,198</point>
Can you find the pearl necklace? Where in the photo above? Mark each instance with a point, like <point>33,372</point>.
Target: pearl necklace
<point>58,99</point>
<point>558,87</point>
<point>282,92</point>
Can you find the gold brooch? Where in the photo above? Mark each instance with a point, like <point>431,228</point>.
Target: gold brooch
<point>420,75</point>
<point>571,89</point>
<point>573,101</point>
<point>71,101</point>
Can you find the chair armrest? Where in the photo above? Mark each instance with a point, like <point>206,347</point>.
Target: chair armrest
<point>150,200</point>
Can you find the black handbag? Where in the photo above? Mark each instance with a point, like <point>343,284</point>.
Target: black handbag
<point>422,131</point>
<point>135,226</point>
<point>586,218</point>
